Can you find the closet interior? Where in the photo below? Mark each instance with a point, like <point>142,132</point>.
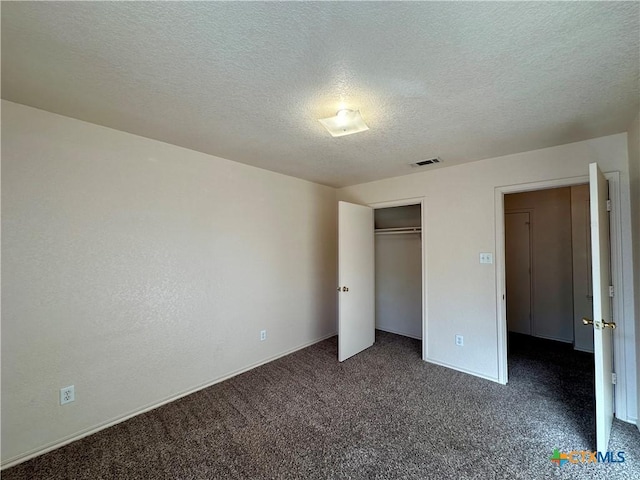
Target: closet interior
<point>398,270</point>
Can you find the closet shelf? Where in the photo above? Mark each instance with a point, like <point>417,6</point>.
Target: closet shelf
<point>397,231</point>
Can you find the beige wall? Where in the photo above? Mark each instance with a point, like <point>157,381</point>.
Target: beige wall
<point>634,174</point>
<point>460,223</point>
<point>138,271</point>
<point>399,284</point>
<point>551,267</point>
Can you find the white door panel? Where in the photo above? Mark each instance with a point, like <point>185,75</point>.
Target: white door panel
<point>356,276</point>
<point>602,333</point>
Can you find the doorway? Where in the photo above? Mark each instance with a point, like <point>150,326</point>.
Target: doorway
<point>356,274</point>
<point>609,352</point>
<point>398,270</point>
<point>548,264</point>
<point>616,272</point>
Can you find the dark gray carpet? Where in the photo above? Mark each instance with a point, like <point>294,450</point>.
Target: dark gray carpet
<point>381,414</point>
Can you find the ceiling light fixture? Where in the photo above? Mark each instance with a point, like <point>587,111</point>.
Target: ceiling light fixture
<point>345,122</point>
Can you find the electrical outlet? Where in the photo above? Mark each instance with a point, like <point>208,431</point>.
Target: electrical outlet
<point>486,257</point>
<point>263,335</point>
<point>67,394</point>
<point>460,340</point>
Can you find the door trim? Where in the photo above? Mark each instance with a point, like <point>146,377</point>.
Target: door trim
<point>423,215</point>
<point>619,353</point>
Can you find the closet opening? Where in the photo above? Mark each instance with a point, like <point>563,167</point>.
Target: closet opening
<point>399,271</point>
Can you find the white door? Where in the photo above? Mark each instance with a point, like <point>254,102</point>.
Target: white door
<point>356,290</point>
<point>602,322</point>
<point>518,271</point>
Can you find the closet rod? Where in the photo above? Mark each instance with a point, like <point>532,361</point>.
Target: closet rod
<point>395,231</point>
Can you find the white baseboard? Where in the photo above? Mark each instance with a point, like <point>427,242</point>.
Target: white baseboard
<point>464,370</point>
<point>397,332</point>
<point>556,339</point>
<point>582,350</point>
<point>95,429</point>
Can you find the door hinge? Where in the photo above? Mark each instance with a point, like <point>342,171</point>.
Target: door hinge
<point>614,378</point>
<point>608,205</point>
<point>611,291</point>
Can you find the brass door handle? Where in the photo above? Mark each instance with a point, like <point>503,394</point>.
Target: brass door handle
<point>599,325</point>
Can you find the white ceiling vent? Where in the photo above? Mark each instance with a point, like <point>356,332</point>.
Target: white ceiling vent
<point>426,162</point>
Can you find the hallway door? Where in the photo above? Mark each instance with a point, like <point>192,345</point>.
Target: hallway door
<point>518,271</point>
<point>602,312</point>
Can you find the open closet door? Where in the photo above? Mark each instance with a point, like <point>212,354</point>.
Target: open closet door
<point>602,322</point>
<point>356,276</point>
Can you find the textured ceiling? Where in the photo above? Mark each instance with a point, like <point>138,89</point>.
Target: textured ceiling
<point>248,81</point>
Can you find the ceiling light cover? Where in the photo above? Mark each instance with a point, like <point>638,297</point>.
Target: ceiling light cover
<point>345,122</point>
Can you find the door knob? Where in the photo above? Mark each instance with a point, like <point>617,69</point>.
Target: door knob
<point>599,325</point>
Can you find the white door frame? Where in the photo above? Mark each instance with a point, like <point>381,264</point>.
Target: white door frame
<point>619,363</point>
<point>423,215</point>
